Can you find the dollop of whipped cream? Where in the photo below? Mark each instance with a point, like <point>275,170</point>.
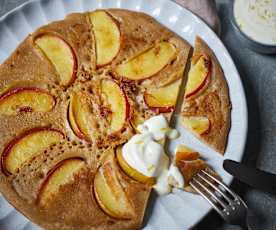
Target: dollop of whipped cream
<point>145,153</point>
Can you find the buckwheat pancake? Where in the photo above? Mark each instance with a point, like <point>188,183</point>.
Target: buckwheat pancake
<point>70,94</point>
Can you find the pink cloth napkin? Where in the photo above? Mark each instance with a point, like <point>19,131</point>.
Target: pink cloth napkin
<point>205,9</point>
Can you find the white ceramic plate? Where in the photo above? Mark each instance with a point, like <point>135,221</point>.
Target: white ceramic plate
<point>179,210</point>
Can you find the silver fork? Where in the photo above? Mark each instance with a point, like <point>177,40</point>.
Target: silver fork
<point>227,203</point>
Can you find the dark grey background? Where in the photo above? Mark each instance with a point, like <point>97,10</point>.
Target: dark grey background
<point>258,74</point>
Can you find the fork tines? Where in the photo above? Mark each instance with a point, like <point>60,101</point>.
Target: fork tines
<point>213,190</point>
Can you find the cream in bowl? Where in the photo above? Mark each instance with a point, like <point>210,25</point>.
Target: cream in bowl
<point>256,22</point>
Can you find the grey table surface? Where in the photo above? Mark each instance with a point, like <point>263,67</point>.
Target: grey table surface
<point>258,74</point>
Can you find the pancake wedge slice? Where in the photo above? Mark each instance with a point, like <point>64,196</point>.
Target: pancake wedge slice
<point>189,164</point>
<point>206,108</point>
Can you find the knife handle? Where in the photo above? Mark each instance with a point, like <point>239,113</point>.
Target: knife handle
<point>253,177</point>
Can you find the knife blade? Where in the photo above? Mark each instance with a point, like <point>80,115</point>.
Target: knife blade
<point>251,176</point>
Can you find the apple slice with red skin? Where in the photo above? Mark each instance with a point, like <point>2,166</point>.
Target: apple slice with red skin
<point>63,173</point>
<point>109,192</point>
<point>60,54</point>
<point>162,99</point>
<point>116,101</point>
<point>107,36</point>
<point>27,145</point>
<point>80,117</point>
<point>148,63</point>
<point>25,100</point>
<point>198,76</point>
<point>197,124</point>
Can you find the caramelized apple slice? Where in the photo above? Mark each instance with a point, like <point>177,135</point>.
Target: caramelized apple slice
<point>190,168</point>
<point>147,63</point>
<point>162,99</point>
<point>26,146</point>
<point>186,154</point>
<point>188,162</point>
<point>198,125</point>
<point>107,35</point>
<point>117,103</point>
<point>61,55</point>
<point>109,192</point>
<point>198,75</point>
<point>25,100</point>
<point>131,172</point>
<point>61,174</point>
<point>80,117</point>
